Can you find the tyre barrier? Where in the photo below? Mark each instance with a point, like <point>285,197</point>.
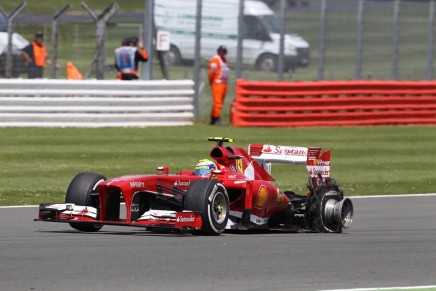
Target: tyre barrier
<point>333,103</point>
<point>95,103</point>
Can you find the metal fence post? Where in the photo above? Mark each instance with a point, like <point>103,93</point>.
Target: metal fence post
<point>240,40</point>
<point>431,24</point>
<point>100,22</point>
<point>395,39</point>
<point>281,57</point>
<point>321,49</point>
<point>148,39</point>
<point>10,20</point>
<point>54,40</point>
<point>197,59</point>
<point>359,39</point>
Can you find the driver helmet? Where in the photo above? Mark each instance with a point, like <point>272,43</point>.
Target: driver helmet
<point>204,167</point>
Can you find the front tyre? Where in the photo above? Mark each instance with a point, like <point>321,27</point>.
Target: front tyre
<point>83,191</point>
<point>210,199</point>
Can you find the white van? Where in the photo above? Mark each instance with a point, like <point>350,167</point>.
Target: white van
<point>219,26</point>
<point>18,43</point>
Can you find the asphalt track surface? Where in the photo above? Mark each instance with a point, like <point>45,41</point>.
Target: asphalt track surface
<point>392,242</point>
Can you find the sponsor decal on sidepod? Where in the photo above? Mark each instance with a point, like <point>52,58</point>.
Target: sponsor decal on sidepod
<point>180,183</point>
<point>134,184</point>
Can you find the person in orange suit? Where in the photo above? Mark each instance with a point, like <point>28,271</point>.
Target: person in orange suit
<point>35,57</point>
<point>218,77</point>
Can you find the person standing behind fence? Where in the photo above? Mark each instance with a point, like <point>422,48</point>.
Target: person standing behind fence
<point>35,57</point>
<point>218,76</point>
<point>127,58</point>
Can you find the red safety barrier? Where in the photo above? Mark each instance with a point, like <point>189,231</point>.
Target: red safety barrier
<point>333,103</point>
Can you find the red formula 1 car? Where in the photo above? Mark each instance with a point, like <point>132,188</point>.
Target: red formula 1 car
<point>237,194</point>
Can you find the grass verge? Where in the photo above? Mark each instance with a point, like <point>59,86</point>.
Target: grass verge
<point>37,164</point>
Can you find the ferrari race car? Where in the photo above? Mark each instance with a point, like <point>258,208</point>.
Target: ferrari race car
<point>237,194</point>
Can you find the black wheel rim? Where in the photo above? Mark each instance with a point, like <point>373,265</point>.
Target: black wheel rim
<point>219,208</point>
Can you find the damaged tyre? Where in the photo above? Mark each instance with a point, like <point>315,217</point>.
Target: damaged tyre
<point>328,211</point>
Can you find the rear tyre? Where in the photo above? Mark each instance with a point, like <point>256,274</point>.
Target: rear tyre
<point>321,212</point>
<point>210,199</point>
<point>80,192</point>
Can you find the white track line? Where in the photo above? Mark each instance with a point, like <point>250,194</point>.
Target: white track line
<point>393,196</point>
<point>351,197</point>
<point>388,288</point>
<point>19,206</point>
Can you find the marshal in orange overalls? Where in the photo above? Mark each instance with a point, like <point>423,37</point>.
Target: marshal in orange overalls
<point>218,76</point>
<point>35,57</point>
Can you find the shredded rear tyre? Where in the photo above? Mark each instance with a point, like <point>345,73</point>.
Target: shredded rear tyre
<point>327,210</point>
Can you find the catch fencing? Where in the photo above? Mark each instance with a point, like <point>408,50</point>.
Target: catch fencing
<point>348,39</point>
<point>92,103</point>
<point>333,103</point>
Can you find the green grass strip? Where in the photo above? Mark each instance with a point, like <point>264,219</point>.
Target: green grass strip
<point>37,164</point>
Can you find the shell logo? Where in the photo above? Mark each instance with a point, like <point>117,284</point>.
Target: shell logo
<point>239,166</point>
<point>262,197</point>
<point>280,199</point>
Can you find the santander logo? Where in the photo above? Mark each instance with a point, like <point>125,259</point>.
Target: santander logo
<point>267,150</point>
<point>180,183</point>
<point>185,219</point>
<point>279,150</point>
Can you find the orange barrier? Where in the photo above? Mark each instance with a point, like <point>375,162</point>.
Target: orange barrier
<point>333,103</point>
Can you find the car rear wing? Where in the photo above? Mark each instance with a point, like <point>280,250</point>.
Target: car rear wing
<point>316,161</point>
